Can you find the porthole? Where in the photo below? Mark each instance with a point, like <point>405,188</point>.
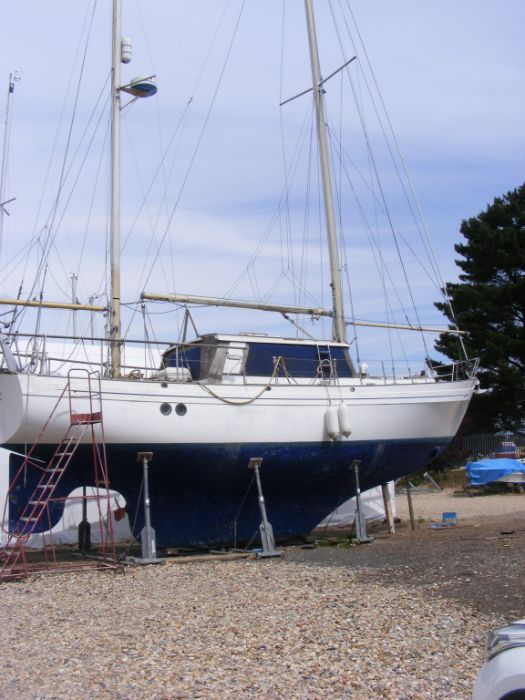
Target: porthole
<point>352,388</point>
<point>180,409</point>
<point>165,409</point>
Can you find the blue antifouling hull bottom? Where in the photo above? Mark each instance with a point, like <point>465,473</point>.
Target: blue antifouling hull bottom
<point>204,495</point>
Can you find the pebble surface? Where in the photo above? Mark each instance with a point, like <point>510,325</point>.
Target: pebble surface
<point>234,629</point>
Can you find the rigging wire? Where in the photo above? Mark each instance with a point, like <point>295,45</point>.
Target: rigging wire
<point>286,201</point>
<point>376,201</point>
<point>52,243</point>
<point>178,132</point>
<point>41,272</point>
<point>293,168</point>
<point>304,249</point>
<point>376,249</point>
<point>380,187</point>
<point>424,234</point>
<point>164,203</point>
<point>199,140</point>
<point>51,233</point>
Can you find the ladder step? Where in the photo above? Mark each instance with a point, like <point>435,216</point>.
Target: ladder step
<point>80,418</point>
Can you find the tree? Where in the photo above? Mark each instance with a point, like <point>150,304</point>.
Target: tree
<point>489,304</point>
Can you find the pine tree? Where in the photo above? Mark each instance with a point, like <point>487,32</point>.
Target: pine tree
<point>489,304</point>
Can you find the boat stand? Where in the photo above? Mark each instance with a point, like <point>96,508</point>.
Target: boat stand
<point>147,535</point>
<point>266,530</point>
<point>361,536</point>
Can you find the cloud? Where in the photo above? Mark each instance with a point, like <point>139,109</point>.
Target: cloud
<point>448,75</point>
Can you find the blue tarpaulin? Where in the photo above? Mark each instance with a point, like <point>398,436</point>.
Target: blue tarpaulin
<point>485,471</point>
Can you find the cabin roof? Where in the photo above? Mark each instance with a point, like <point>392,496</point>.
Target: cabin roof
<point>265,339</point>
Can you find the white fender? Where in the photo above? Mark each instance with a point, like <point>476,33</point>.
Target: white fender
<point>343,414</point>
<point>332,422</point>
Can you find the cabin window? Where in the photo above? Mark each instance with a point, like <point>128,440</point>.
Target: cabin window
<point>188,357</point>
<point>210,361</point>
<point>299,360</point>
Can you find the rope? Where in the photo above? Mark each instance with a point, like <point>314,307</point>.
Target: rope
<point>280,361</point>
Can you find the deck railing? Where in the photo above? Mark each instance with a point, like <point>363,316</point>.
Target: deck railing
<point>142,359</point>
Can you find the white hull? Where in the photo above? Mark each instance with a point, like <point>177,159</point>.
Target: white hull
<point>286,413</point>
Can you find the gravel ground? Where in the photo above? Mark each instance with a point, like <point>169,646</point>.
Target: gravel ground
<point>430,506</point>
<point>400,618</point>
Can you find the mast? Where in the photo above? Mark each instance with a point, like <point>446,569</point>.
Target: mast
<point>139,87</point>
<point>339,327</point>
<point>5,152</point>
<point>114,307</point>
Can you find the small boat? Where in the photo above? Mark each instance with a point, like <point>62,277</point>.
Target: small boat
<point>305,406</point>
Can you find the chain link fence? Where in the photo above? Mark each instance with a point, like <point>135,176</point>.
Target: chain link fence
<point>468,448</point>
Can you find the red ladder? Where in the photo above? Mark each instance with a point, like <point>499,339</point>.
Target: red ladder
<point>36,513</point>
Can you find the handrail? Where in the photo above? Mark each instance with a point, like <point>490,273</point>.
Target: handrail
<point>39,358</point>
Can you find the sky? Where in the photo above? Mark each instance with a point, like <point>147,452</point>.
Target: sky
<point>450,75</point>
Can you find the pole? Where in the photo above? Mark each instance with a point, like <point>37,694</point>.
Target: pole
<point>265,528</point>
<point>339,327</point>
<point>84,527</point>
<point>360,520</point>
<point>5,150</point>
<point>114,315</point>
<point>148,534</point>
<point>410,505</point>
<point>388,509</point>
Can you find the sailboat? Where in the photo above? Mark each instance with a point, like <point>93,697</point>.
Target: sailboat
<point>300,405</point>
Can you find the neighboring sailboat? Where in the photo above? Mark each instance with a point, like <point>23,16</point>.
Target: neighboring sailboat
<point>213,404</point>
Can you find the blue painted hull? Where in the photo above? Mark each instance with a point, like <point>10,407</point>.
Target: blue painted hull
<point>201,494</point>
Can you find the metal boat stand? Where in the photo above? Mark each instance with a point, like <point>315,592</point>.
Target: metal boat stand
<point>147,535</point>
<point>361,536</point>
<point>266,530</point>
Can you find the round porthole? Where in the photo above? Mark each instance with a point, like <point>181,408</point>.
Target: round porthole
<point>180,409</point>
<point>165,409</point>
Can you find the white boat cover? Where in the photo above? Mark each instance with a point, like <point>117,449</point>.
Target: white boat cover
<point>371,502</point>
